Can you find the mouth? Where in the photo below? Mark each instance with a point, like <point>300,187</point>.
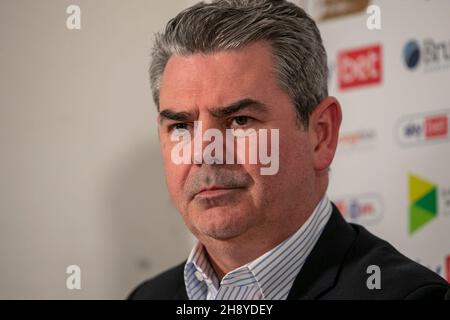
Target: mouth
<point>214,191</point>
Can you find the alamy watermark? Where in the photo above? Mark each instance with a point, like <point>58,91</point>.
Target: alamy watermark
<point>241,146</point>
<point>73,281</point>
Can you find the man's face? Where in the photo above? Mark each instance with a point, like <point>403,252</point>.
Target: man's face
<point>226,201</point>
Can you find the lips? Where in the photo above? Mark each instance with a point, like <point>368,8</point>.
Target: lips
<point>215,190</point>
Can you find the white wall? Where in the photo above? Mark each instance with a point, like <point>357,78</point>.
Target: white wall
<point>80,171</point>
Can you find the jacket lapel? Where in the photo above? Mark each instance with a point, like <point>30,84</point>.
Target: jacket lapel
<point>180,292</point>
<point>320,271</point>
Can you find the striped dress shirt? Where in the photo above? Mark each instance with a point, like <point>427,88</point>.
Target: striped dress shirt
<point>269,277</point>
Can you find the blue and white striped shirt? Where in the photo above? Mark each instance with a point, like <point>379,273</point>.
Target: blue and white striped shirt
<point>269,277</point>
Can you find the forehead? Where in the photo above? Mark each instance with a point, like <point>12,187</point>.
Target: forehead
<point>218,78</point>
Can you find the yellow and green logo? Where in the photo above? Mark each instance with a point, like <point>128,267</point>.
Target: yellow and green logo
<point>422,202</point>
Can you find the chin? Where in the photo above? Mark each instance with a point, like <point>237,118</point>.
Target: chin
<point>222,223</point>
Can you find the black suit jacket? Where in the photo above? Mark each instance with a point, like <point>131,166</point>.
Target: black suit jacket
<point>335,269</point>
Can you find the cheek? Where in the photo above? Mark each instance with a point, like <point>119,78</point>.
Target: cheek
<point>295,156</point>
<point>263,186</point>
<point>175,174</point>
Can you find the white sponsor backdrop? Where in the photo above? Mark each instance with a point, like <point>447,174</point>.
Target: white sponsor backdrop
<point>395,127</point>
<point>81,177</point>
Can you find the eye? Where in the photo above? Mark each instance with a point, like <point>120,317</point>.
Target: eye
<point>240,121</point>
<point>179,126</point>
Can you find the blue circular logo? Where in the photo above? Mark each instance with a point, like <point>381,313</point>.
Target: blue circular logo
<point>411,54</point>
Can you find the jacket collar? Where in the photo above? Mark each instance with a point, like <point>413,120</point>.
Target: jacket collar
<point>321,269</point>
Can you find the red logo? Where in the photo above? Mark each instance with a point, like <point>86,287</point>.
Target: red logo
<point>447,266</point>
<point>360,67</point>
<point>436,126</point>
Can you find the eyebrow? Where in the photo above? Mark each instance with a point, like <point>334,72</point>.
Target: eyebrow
<point>218,112</point>
<point>248,104</point>
<point>168,114</point>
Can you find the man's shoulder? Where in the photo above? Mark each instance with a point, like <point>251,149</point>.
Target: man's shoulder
<point>167,285</point>
<point>348,262</point>
<point>375,269</point>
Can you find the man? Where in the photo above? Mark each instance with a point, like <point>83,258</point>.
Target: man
<point>260,65</point>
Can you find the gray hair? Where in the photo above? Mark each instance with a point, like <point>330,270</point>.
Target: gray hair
<point>300,58</point>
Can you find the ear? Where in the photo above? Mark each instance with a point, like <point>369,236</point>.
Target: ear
<point>324,124</point>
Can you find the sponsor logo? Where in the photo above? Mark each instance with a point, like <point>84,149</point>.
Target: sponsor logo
<point>359,139</point>
<point>427,200</point>
<point>422,128</point>
<point>436,127</point>
<point>365,209</point>
<point>447,267</point>
<point>360,67</point>
<point>411,54</point>
<point>429,54</point>
<point>423,202</point>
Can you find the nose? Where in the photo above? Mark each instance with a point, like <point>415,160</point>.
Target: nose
<point>208,143</point>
